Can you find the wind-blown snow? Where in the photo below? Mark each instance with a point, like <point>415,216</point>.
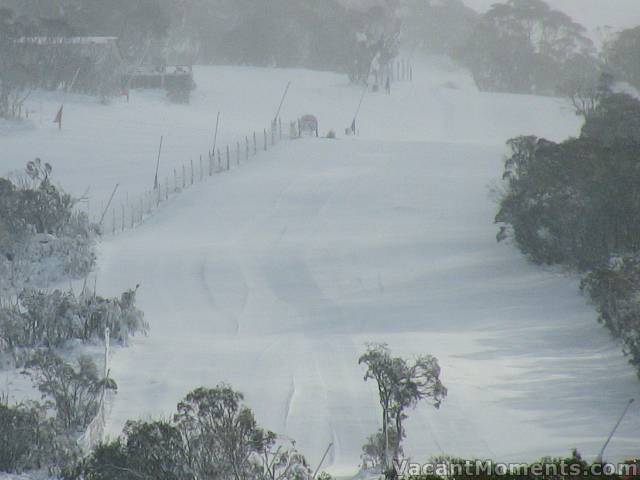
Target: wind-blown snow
<point>272,277</point>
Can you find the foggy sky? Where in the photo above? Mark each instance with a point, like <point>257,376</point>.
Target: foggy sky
<point>619,14</point>
<point>592,14</point>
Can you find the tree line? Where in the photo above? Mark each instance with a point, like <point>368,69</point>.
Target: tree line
<point>576,203</point>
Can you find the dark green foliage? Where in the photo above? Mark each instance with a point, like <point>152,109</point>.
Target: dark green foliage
<point>212,435</point>
<point>30,440</point>
<point>23,437</point>
<point>15,75</point>
<point>220,433</point>
<point>576,203</point>
<point>524,46</point>
<point>623,56</point>
<point>50,320</point>
<point>146,450</point>
<point>615,289</point>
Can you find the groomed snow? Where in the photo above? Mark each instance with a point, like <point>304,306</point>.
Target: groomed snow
<point>272,277</point>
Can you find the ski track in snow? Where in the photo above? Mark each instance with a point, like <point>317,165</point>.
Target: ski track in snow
<point>272,277</point>
<point>302,266</point>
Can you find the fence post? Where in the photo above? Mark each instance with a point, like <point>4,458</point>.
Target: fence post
<point>219,160</point>
<point>238,153</point>
<point>211,157</point>
<point>255,144</point>
<point>280,127</point>
<point>107,337</point>
<point>228,157</point>
<point>191,161</point>
<point>184,177</point>
<point>141,209</point>
<point>133,221</point>
<point>175,180</point>
<point>114,221</point>
<point>246,140</point>
<point>166,188</point>
<point>265,139</point>
<point>273,134</point>
<point>201,172</point>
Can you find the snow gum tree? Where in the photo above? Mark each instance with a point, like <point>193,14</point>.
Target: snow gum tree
<point>221,435</point>
<point>401,385</point>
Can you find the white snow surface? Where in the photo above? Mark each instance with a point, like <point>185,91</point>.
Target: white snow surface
<point>272,277</point>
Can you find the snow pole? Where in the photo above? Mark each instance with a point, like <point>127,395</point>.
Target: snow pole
<point>326,452</point>
<point>284,95</point>
<point>155,180</point>
<point>355,117</point>
<point>613,432</point>
<point>215,135</point>
<point>106,209</point>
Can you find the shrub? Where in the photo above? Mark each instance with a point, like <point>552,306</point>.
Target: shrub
<point>213,435</point>
<point>51,319</point>
<point>24,436</point>
<point>615,290</point>
<point>146,450</point>
<point>74,390</point>
<point>42,238</point>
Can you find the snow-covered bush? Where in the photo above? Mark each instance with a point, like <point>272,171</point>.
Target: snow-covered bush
<point>44,436</point>
<point>75,390</point>
<point>42,238</point>
<point>42,319</point>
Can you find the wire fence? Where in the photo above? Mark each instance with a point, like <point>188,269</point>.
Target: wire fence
<point>133,211</point>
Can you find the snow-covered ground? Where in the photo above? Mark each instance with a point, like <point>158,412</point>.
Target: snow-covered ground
<point>273,277</point>
<point>100,145</point>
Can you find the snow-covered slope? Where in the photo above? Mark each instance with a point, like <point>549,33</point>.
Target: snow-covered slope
<point>273,277</point>
<point>100,145</point>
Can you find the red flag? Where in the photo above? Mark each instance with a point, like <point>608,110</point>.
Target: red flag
<point>58,118</point>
